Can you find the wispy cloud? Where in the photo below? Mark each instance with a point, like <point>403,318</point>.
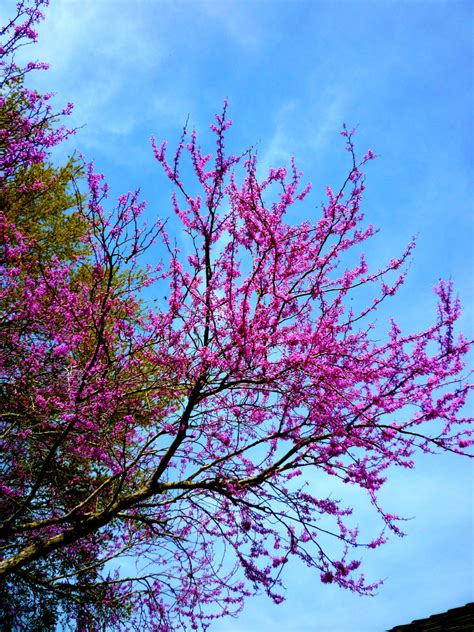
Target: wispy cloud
<point>237,19</point>
<point>302,131</point>
<point>100,59</point>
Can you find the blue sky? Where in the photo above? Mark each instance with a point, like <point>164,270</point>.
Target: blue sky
<point>293,72</point>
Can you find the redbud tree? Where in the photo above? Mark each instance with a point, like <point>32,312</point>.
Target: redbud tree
<point>161,465</point>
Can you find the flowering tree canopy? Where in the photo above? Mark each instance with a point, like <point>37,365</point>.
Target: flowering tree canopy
<point>160,465</point>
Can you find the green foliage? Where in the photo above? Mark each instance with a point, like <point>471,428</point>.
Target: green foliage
<point>39,201</point>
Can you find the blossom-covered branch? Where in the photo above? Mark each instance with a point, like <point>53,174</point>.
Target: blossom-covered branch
<point>160,465</point>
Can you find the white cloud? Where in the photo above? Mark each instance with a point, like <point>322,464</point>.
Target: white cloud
<point>99,53</point>
<point>304,131</point>
<point>236,19</point>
